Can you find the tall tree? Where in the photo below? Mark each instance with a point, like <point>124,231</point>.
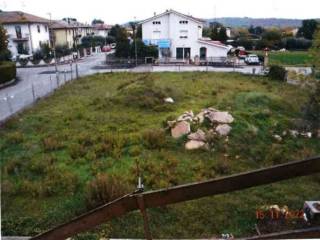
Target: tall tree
<point>222,35</point>
<point>122,41</point>
<point>272,38</point>
<point>315,49</point>
<point>214,33</point>
<point>97,21</point>
<point>3,39</point>
<point>139,31</point>
<point>308,28</point>
<point>5,54</point>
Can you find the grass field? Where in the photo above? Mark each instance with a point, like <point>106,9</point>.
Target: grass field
<point>54,155</point>
<point>290,58</point>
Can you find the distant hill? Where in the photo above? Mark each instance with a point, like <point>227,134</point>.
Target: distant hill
<point>263,22</point>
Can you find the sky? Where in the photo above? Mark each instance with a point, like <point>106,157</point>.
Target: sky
<point>121,11</point>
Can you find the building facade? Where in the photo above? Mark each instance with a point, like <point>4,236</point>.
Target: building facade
<point>63,34</point>
<point>101,30</point>
<point>26,32</point>
<point>180,36</point>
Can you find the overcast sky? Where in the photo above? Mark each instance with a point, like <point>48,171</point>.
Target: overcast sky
<point>120,11</point>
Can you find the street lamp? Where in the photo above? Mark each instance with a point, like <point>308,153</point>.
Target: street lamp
<point>53,46</point>
<point>135,40</point>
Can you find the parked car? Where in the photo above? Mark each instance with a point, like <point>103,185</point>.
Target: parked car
<point>106,48</point>
<point>252,59</point>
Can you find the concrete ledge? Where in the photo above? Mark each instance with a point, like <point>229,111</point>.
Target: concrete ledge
<point>6,84</point>
<point>15,238</point>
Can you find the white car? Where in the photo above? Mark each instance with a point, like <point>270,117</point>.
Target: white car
<point>252,59</point>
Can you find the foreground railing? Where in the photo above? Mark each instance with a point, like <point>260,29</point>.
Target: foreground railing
<point>142,201</point>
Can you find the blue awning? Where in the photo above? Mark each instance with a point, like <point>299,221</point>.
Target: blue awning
<point>161,43</point>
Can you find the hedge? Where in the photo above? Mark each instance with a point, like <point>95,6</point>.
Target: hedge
<point>7,71</point>
<point>277,73</point>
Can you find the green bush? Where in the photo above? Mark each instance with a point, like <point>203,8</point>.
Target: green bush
<point>7,71</point>
<point>312,107</point>
<point>277,73</point>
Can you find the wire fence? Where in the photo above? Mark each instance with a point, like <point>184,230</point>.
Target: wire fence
<point>33,87</point>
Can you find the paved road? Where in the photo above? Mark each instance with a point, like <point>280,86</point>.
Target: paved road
<point>40,81</point>
<point>37,82</point>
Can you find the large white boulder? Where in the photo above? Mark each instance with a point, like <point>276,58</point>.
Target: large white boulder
<point>199,135</point>
<point>220,117</point>
<point>180,129</point>
<point>193,145</point>
<point>223,129</point>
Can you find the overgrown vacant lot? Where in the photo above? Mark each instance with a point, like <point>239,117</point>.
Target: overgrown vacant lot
<point>82,146</point>
<point>290,58</point>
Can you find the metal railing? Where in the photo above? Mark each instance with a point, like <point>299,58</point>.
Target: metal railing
<point>182,193</point>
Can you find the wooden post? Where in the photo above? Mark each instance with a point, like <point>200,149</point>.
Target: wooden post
<point>143,211</point>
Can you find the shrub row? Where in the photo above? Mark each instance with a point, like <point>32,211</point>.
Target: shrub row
<point>7,71</point>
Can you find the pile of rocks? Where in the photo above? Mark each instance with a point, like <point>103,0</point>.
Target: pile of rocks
<point>219,124</point>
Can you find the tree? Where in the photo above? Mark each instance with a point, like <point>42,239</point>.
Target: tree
<point>315,50</point>
<point>4,52</point>
<point>308,28</point>
<point>214,34</point>
<point>3,39</point>
<point>139,31</point>
<point>122,41</point>
<point>272,39</point>
<point>114,30</point>
<point>256,30</point>
<point>222,35</point>
<point>93,41</point>
<point>97,21</point>
<point>143,50</point>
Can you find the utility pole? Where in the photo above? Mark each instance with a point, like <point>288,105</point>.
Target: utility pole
<point>135,40</point>
<point>53,47</point>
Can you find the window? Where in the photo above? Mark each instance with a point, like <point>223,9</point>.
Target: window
<point>183,22</point>
<point>38,28</point>
<point>183,53</point>
<point>156,22</point>
<point>203,53</point>
<point>18,31</point>
<point>46,28</point>
<point>156,34</point>
<point>184,34</point>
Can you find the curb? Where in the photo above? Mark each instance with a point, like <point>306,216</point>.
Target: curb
<point>6,84</point>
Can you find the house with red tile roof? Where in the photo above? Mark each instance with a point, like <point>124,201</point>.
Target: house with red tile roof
<point>26,32</point>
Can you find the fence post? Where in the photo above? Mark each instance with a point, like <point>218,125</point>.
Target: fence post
<point>77,71</point>
<point>51,86</point>
<point>33,92</point>
<point>57,80</point>
<point>9,103</point>
<point>143,211</point>
<point>65,76</point>
<point>71,71</point>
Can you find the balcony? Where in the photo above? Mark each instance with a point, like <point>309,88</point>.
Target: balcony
<point>22,39</point>
<point>161,43</point>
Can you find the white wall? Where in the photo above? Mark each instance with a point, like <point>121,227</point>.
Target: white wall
<point>27,31</point>
<point>171,28</point>
<point>43,36</point>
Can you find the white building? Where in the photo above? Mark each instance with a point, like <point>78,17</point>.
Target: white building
<point>101,30</point>
<point>26,32</point>
<point>180,36</point>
